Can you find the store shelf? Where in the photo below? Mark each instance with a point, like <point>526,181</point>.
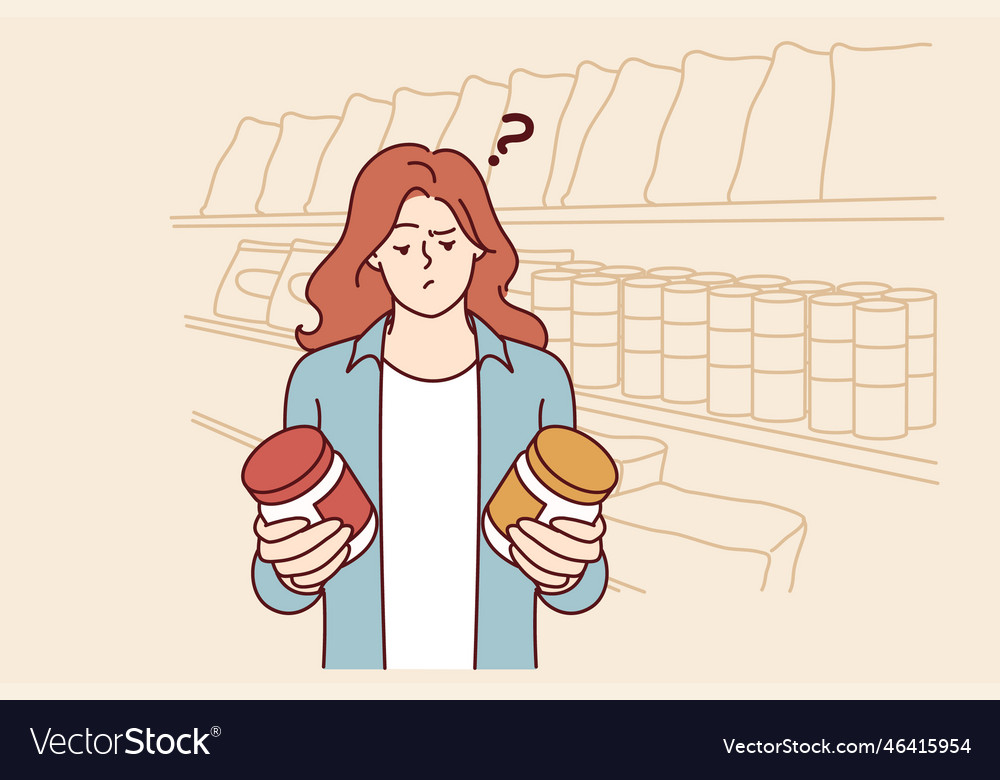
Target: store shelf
<point>906,458</point>
<point>244,331</point>
<point>908,209</point>
<point>911,457</point>
<point>238,435</point>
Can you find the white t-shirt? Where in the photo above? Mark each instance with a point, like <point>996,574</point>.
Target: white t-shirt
<point>430,486</point>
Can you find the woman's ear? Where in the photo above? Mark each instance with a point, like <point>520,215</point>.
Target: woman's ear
<point>374,263</point>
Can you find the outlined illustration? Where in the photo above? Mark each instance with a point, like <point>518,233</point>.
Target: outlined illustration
<point>357,137</point>
<point>287,180</point>
<point>699,144</point>
<point>520,176</point>
<point>156,397</point>
<point>419,117</point>
<point>730,350</point>
<point>782,152</point>
<point>473,126</point>
<point>630,116</point>
<point>409,385</point>
<point>657,346</point>
<point>618,148</point>
<point>236,181</point>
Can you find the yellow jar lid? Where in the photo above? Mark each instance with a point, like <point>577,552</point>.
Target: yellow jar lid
<point>572,465</point>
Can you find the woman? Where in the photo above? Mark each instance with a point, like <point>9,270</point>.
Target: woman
<point>429,384</point>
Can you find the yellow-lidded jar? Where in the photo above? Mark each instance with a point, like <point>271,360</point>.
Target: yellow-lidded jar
<point>562,473</point>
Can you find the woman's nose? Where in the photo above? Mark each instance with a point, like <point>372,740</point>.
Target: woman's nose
<point>423,249</point>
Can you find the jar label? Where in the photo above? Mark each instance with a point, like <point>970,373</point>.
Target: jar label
<point>511,502</point>
<point>347,501</point>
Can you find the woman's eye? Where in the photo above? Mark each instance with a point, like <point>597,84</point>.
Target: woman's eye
<point>447,245</point>
<point>402,249</point>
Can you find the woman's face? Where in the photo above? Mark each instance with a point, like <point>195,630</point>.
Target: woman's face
<point>427,260</point>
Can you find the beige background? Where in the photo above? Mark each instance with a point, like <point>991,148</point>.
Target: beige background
<point>125,566</point>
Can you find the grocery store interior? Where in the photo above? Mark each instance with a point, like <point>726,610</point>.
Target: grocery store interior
<point>752,248</point>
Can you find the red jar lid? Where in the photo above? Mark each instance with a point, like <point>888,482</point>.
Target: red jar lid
<point>287,465</point>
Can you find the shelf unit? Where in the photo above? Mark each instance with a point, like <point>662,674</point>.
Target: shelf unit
<point>891,209</point>
<point>261,334</point>
<point>906,458</point>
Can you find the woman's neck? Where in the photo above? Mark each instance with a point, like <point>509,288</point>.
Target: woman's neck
<point>430,347</point>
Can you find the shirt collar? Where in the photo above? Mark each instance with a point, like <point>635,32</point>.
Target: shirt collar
<point>488,343</point>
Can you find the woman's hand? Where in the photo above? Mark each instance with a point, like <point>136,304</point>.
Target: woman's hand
<point>555,556</point>
<point>304,556</point>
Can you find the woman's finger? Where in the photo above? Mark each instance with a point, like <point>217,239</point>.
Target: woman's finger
<point>279,529</point>
<point>562,589</point>
<point>542,558</point>
<point>324,573</point>
<point>299,543</point>
<point>581,529</point>
<point>560,543</point>
<point>317,558</point>
<point>287,582</point>
<point>539,576</point>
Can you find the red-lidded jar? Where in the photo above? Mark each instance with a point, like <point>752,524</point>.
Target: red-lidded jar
<point>297,473</point>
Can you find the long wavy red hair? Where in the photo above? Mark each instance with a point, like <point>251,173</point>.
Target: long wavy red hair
<point>350,295</point>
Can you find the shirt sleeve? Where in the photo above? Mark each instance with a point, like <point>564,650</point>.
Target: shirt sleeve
<point>301,408</point>
<point>559,408</point>
<point>301,402</point>
<point>585,594</point>
<point>272,593</point>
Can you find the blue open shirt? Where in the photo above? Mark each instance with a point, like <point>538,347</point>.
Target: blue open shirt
<point>338,389</point>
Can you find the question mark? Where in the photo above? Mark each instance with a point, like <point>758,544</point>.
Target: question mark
<point>513,138</point>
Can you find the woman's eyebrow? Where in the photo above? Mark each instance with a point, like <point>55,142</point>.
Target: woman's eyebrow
<point>405,224</point>
<point>442,232</point>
